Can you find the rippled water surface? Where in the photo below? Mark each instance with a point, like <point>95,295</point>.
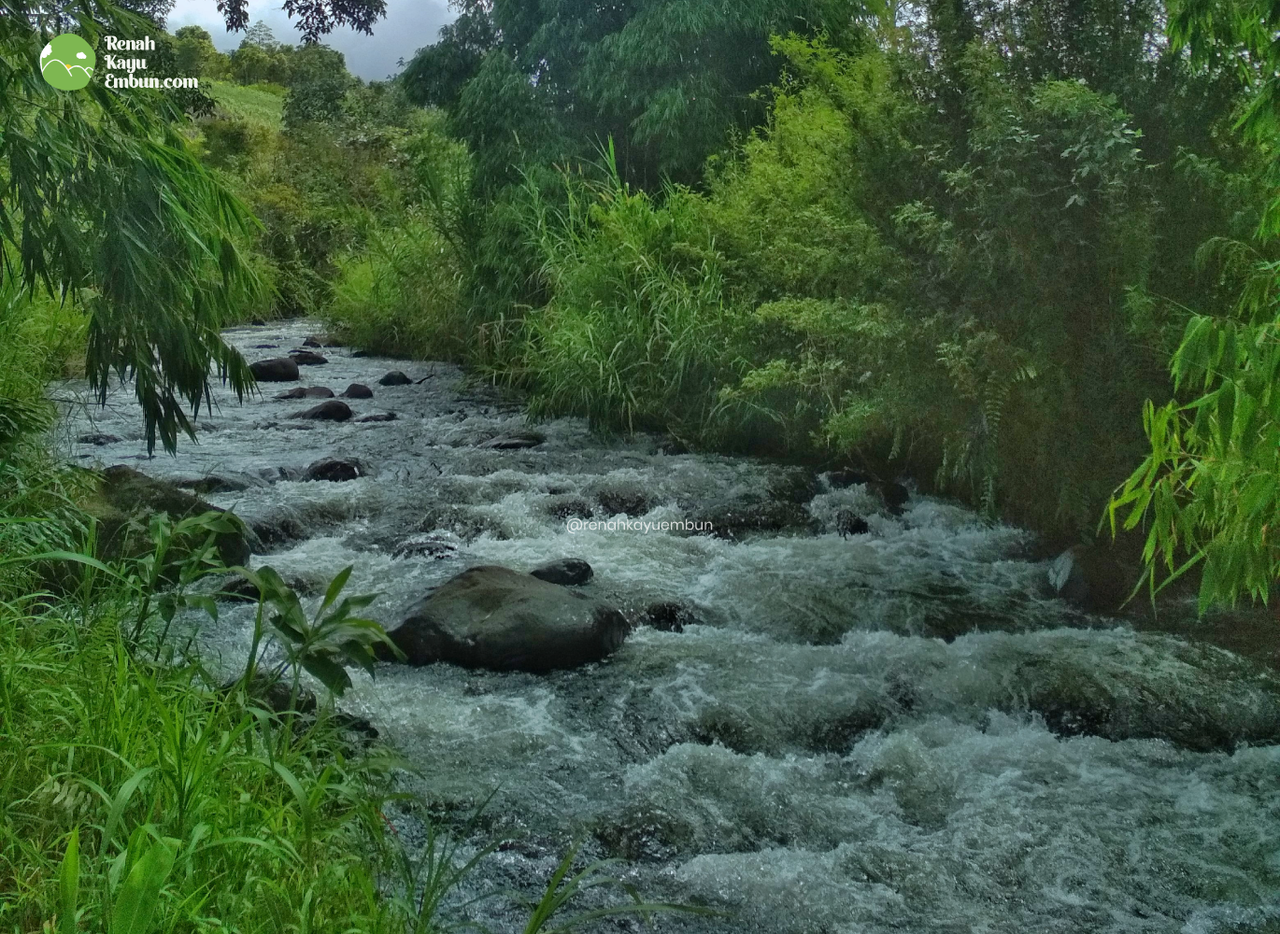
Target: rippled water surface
<point>890,731</point>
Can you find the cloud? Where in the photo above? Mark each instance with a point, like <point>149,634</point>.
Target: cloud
<point>408,26</point>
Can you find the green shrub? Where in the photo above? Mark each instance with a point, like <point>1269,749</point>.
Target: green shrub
<point>400,294</point>
<point>639,330</point>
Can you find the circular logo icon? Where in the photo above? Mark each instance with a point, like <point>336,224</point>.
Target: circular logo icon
<point>67,62</point>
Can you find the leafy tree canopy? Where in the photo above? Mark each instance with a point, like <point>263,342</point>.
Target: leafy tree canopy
<point>103,205</point>
<point>668,79</point>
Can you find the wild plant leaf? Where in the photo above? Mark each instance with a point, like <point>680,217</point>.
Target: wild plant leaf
<point>69,885</point>
<point>139,896</point>
<point>331,674</point>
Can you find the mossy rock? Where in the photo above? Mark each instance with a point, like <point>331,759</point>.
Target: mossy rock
<point>127,499</point>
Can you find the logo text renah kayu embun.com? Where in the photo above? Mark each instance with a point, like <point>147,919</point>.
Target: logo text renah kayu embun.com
<point>114,63</point>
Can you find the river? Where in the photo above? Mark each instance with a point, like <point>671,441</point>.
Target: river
<point>898,730</point>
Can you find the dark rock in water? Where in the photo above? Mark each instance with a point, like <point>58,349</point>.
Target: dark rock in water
<point>627,501</point>
<point>568,572</point>
<point>206,485</point>
<point>265,346</point>
<point>307,358</point>
<point>496,618</point>
<point>850,523</point>
<point>311,342</point>
<point>357,391</point>
<point>395,378</point>
<point>98,439</point>
<point>278,529</point>
<point>335,470</point>
<point>894,494</point>
<point>330,411</point>
<point>309,392</point>
<point>276,695</point>
<point>568,506</point>
<point>839,479</point>
<point>794,485</point>
<point>436,545</point>
<point>1194,696</point>
<point>1091,577</point>
<point>275,370</point>
<point>736,520</point>
<point>669,616</point>
<point>515,441</point>
<point>363,353</point>
<point>128,497</point>
<point>378,417</point>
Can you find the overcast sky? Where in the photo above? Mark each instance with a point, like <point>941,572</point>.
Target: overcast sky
<point>409,25</point>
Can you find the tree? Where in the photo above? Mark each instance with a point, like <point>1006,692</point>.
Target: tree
<point>667,79</point>
<point>104,206</point>
<point>260,34</point>
<point>437,74</point>
<point>195,53</point>
<point>1209,490</point>
<point>318,84</point>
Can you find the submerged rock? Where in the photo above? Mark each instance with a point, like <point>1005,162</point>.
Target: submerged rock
<point>395,378</point>
<point>567,572</point>
<point>215,484</point>
<point>849,523</point>
<point>331,411</point>
<point>98,439</point>
<point>275,370</point>
<point>308,358</point>
<point>668,616</point>
<point>377,417</point>
<point>493,617</point>
<point>736,520</point>
<point>894,494</point>
<point>436,545</point>
<point>308,392</point>
<point>335,470</point>
<point>515,441</point>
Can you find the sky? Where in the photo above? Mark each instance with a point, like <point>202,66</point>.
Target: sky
<point>408,26</point>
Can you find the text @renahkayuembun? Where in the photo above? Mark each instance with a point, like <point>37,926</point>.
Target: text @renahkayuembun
<point>624,524</point>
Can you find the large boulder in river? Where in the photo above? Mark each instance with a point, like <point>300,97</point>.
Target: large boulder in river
<point>329,411</point>
<point>308,392</point>
<point>275,370</point>
<point>128,499</point>
<point>493,617</point>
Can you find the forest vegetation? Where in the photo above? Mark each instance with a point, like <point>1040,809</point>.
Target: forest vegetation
<point>1024,254</point>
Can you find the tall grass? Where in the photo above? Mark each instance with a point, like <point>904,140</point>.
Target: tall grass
<point>267,827</point>
<point>401,295</point>
<point>639,331</point>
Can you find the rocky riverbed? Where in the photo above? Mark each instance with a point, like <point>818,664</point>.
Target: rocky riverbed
<point>855,709</point>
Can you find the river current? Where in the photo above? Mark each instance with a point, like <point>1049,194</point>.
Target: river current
<point>896,730</point>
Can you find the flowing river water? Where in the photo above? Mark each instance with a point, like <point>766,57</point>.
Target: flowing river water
<point>898,730</point>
